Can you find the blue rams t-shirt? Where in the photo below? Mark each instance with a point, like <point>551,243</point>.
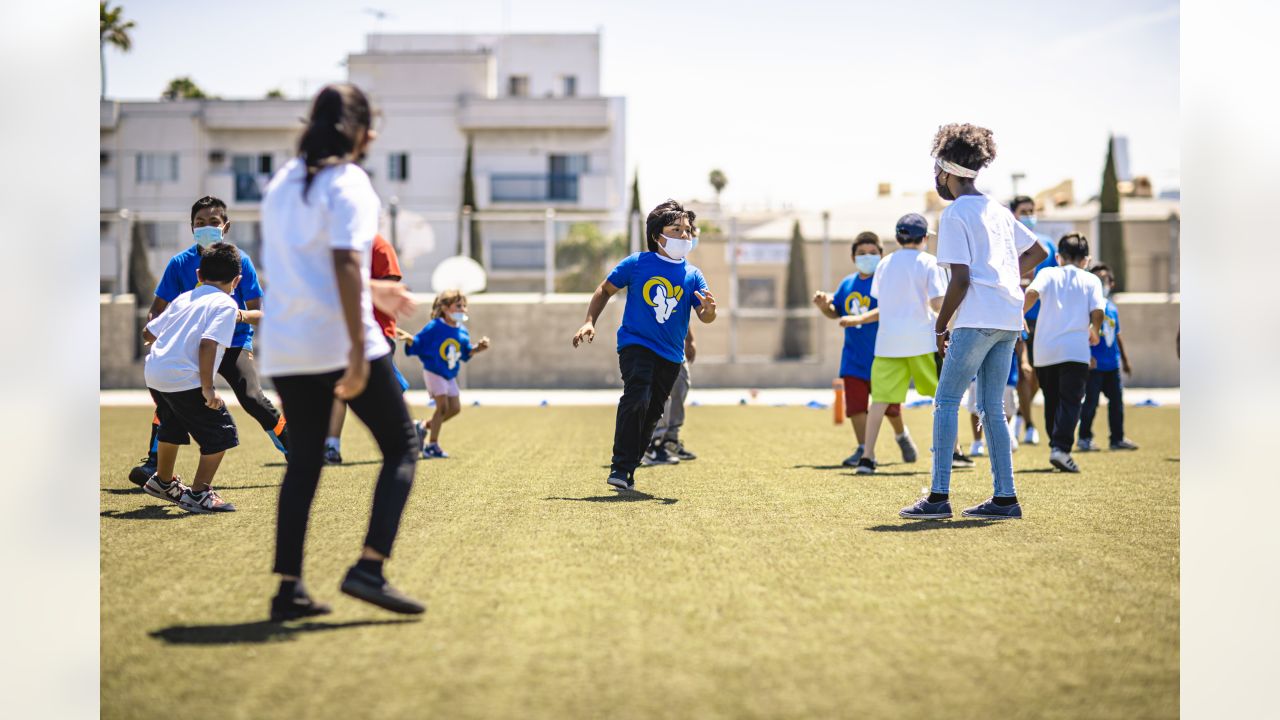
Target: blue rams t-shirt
<point>442,348</point>
<point>853,297</point>
<point>1107,351</point>
<point>1051,261</point>
<point>659,298</point>
<point>180,276</point>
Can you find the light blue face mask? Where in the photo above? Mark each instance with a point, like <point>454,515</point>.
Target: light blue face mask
<point>866,263</point>
<point>1029,221</point>
<point>207,235</point>
<point>458,317</point>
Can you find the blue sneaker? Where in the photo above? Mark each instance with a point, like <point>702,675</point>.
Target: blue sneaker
<point>433,451</point>
<point>925,510</point>
<point>280,441</point>
<point>989,510</point>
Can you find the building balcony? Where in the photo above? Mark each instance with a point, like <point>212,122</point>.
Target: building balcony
<point>255,114</point>
<point>240,190</point>
<point>518,113</point>
<point>570,191</point>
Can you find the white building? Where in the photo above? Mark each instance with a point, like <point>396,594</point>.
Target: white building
<point>543,139</point>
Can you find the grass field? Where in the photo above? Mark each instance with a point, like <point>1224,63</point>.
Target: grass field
<point>761,580</point>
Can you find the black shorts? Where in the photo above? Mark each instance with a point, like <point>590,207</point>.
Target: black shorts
<point>183,415</point>
<point>1031,344</point>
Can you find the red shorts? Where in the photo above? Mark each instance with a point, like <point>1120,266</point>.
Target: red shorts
<point>857,395</point>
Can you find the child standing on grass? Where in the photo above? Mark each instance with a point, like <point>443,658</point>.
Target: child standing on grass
<point>988,252</point>
<point>442,346</point>
<point>908,286</point>
<point>859,315</point>
<point>663,289</point>
<point>1071,314</point>
<point>188,340</point>
<point>1108,359</point>
<point>979,447</point>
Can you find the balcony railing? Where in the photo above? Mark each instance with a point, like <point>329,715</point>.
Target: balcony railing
<point>249,187</point>
<point>533,187</point>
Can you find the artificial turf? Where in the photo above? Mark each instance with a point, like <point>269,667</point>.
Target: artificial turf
<point>760,580</point>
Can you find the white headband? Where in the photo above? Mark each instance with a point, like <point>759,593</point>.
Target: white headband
<point>954,169</point>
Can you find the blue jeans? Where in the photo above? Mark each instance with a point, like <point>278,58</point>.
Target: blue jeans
<point>983,352</point>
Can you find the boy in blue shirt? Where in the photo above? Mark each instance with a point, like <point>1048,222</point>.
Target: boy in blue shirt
<point>1108,359</point>
<point>209,225</point>
<point>1024,209</point>
<point>662,290</point>
<point>859,315</point>
<point>442,346</point>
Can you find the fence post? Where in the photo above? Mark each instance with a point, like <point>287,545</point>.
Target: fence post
<point>733,289</point>
<point>123,241</point>
<point>549,253</point>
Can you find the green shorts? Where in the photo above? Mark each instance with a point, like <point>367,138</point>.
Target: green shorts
<point>891,375</point>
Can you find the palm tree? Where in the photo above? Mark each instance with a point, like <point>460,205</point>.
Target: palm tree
<point>183,88</point>
<point>718,181</point>
<point>275,94</point>
<point>113,30</point>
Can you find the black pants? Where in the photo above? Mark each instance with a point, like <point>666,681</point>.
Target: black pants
<point>1108,383</point>
<point>646,384</point>
<point>381,407</point>
<point>1063,385</point>
<point>240,372</point>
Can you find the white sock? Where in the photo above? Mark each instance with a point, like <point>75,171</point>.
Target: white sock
<point>333,443</point>
<point>906,432</point>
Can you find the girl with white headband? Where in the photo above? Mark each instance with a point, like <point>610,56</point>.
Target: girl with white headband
<point>663,289</point>
<point>988,251</point>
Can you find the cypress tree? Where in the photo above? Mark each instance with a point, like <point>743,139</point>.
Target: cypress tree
<point>635,209</point>
<point>1110,229</point>
<point>469,199</point>
<point>795,330</point>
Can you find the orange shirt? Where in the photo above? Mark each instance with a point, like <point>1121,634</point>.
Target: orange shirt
<point>384,264</point>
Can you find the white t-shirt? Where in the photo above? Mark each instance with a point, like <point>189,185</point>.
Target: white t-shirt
<point>978,232</point>
<point>173,363</point>
<point>1067,296</point>
<point>904,283</point>
<point>302,330</point>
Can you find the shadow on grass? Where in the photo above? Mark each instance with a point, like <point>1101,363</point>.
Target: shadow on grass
<point>922,525</point>
<point>628,496</point>
<point>147,512</point>
<point>1173,460</point>
<point>1041,471</point>
<point>124,491</point>
<point>263,631</point>
<point>345,463</point>
<point>822,467</point>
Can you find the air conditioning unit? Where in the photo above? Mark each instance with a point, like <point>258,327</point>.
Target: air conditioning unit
<point>217,156</point>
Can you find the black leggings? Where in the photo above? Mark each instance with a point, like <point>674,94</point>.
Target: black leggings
<point>1063,386</point>
<point>646,384</point>
<point>381,407</point>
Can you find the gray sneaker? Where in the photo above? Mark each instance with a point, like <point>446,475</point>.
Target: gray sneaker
<point>989,510</point>
<point>908,447</point>
<point>925,510</point>
<point>852,460</point>
<point>1063,461</point>
<point>1125,444</point>
<point>1087,445</point>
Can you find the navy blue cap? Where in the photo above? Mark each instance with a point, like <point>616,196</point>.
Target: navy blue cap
<point>912,226</point>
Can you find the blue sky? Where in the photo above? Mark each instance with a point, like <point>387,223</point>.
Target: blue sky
<point>804,103</point>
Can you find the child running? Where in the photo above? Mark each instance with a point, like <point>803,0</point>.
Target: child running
<point>188,341</point>
<point>859,315</point>
<point>1071,313</point>
<point>442,346</point>
<point>1109,358</point>
<point>908,286</point>
<point>988,251</point>
<point>663,289</point>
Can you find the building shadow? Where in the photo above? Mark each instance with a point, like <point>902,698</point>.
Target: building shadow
<point>148,512</point>
<point>925,525</point>
<point>135,490</point>
<point>262,631</point>
<point>627,496</point>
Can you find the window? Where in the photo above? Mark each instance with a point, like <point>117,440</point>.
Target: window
<point>398,166</point>
<point>570,85</point>
<point>758,292</point>
<point>515,255</point>
<point>157,167</point>
<point>562,176</point>
<point>264,164</point>
<point>518,86</point>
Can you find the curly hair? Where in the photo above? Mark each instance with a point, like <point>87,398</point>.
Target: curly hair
<point>867,238</point>
<point>666,213</point>
<point>444,300</point>
<point>965,145</point>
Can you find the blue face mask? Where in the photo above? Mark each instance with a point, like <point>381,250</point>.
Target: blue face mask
<point>1029,221</point>
<point>207,235</point>
<point>866,263</point>
<point>458,317</point>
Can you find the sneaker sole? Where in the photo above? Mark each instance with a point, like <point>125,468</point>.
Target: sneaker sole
<point>980,516</point>
<point>299,613</point>
<point>1063,466</point>
<point>912,516</point>
<point>374,597</point>
<point>864,471</point>
<point>160,496</point>
<point>201,511</point>
<point>617,486</point>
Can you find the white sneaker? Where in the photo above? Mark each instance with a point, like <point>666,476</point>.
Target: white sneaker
<point>172,492</point>
<point>208,501</point>
<point>978,448</point>
<point>1032,437</point>
<point>1063,461</point>
<point>1016,426</point>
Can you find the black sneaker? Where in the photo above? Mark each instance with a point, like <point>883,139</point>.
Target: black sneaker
<point>675,447</point>
<point>908,448</point>
<point>989,510</point>
<point>296,606</point>
<point>925,510</point>
<point>619,480</point>
<point>376,590</point>
<point>853,460</point>
<point>960,461</point>
<point>332,456</point>
<point>657,455</point>
<point>866,467</point>
<point>141,474</point>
